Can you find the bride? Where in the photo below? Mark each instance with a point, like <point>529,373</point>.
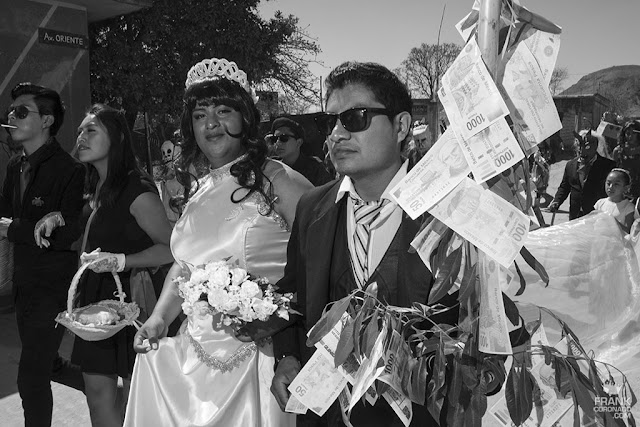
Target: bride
<point>242,209</point>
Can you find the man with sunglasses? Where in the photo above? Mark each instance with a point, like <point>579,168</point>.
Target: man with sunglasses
<point>42,184</point>
<point>285,140</point>
<point>367,124</point>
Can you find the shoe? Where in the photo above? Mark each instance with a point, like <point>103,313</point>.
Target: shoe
<point>65,372</point>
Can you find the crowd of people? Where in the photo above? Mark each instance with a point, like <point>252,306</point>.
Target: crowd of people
<point>274,210</point>
<point>592,181</point>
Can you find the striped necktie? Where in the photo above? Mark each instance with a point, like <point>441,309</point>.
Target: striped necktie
<point>365,213</point>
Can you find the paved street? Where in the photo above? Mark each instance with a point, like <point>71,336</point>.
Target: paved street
<point>70,408</point>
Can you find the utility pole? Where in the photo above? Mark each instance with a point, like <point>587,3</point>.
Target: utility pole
<point>321,106</point>
<point>434,117</point>
<point>488,28</point>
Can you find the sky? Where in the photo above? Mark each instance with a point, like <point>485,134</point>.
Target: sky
<point>596,34</point>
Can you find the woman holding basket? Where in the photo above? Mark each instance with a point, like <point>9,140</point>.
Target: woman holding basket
<point>240,211</point>
<point>125,227</point>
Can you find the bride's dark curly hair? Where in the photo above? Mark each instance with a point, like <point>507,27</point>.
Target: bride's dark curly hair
<point>247,171</point>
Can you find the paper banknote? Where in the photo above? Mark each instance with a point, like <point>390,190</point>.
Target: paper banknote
<point>426,240</point>
<point>294,406</point>
<point>493,335</point>
<point>349,368</point>
<point>491,151</point>
<point>469,95</point>
<point>527,94</point>
<point>400,405</point>
<point>435,175</point>
<point>538,338</point>
<point>318,384</point>
<point>370,369</point>
<point>396,357</point>
<point>545,48</point>
<point>486,220</point>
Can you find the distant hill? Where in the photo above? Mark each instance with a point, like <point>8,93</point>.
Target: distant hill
<point>621,85</point>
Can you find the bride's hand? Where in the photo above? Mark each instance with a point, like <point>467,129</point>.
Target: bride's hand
<point>148,335</point>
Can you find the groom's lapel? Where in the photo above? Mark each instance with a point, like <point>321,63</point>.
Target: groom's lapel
<point>320,241</point>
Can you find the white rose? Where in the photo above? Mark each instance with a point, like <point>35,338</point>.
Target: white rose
<point>230,304</point>
<point>198,276</point>
<point>219,277</point>
<point>250,289</point>
<point>263,308</point>
<point>238,275</point>
<point>187,308</point>
<point>246,314</point>
<point>233,289</point>
<point>217,298</point>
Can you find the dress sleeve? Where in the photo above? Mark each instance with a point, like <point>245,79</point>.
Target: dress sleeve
<point>599,203</point>
<point>138,184</point>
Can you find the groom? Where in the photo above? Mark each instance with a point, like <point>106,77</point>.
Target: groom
<point>367,124</point>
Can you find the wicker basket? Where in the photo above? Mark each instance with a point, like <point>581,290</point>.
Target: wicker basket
<point>129,311</point>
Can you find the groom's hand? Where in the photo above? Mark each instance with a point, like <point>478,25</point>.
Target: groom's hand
<point>286,371</point>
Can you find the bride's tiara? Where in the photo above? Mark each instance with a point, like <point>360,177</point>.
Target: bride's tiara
<point>214,68</point>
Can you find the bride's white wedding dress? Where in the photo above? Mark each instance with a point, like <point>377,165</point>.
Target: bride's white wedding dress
<point>205,376</point>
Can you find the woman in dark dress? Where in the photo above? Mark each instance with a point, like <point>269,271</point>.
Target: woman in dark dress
<point>131,229</point>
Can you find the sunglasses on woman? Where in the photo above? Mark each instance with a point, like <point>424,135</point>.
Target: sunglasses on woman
<point>272,139</point>
<point>353,120</point>
<point>20,111</point>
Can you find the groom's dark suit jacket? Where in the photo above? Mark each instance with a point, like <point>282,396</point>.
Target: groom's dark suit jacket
<point>583,197</point>
<point>319,270</point>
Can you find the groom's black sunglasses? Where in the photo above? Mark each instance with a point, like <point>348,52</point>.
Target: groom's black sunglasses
<point>353,120</point>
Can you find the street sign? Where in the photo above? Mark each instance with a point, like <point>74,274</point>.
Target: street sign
<point>60,38</point>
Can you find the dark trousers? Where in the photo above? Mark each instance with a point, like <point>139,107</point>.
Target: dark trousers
<point>380,415</point>
<point>36,310</point>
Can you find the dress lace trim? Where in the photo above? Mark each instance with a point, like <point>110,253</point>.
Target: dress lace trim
<point>222,172</point>
<point>234,361</point>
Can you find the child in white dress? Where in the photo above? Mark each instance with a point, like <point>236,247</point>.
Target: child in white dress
<point>617,186</point>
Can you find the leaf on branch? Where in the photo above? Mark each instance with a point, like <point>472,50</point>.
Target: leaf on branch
<point>511,310</point>
<point>328,320</point>
<point>468,283</point>
<point>447,274</point>
<point>361,316</point>
<point>478,407</point>
<point>440,253</point>
<point>523,283</point>
<point>519,394</point>
<point>345,344</point>
<point>419,381</point>
<point>533,263</point>
<point>370,333</point>
<point>581,395</point>
<point>437,388</point>
<point>563,375</point>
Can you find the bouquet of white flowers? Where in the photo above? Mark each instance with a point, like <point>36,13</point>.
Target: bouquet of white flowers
<point>220,287</point>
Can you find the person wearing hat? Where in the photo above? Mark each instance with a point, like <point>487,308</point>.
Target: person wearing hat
<point>285,140</point>
<point>420,142</point>
<point>584,177</point>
